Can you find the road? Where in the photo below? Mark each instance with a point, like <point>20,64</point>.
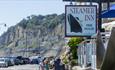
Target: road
<point>22,67</point>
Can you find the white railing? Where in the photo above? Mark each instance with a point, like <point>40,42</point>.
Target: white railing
<point>87,50</point>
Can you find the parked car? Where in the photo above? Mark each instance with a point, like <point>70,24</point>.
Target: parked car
<point>36,59</point>
<point>3,62</point>
<point>9,61</point>
<point>26,60</point>
<point>14,60</point>
<point>20,60</point>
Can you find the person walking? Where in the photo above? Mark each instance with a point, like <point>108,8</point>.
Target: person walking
<point>57,64</point>
<point>46,64</point>
<point>41,65</point>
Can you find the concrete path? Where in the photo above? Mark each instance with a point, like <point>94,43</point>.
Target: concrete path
<point>79,68</point>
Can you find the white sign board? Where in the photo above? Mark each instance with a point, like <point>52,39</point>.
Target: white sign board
<point>80,20</point>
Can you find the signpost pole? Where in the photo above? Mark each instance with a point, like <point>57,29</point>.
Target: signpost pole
<point>99,14</point>
<point>108,5</point>
<point>71,2</point>
<point>90,2</point>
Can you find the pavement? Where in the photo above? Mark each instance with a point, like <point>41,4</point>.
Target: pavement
<point>36,67</point>
<point>79,68</point>
<point>22,67</point>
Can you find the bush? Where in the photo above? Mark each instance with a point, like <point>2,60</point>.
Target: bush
<point>73,62</point>
<point>73,44</point>
<point>65,61</point>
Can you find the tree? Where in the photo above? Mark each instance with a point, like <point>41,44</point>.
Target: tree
<point>23,23</point>
<point>73,44</point>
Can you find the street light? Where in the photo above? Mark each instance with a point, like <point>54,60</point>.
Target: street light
<point>26,51</point>
<point>8,52</point>
<point>3,24</point>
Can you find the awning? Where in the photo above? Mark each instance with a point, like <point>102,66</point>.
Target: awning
<point>108,26</point>
<point>109,13</point>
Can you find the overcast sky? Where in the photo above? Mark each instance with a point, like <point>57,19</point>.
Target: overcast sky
<point>12,11</point>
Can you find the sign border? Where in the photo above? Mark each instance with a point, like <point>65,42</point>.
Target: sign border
<point>66,20</point>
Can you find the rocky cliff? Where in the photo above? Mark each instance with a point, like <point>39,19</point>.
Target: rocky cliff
<point>33,35</point>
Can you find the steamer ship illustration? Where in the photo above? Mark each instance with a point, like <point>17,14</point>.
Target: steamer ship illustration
<point>74,22</point>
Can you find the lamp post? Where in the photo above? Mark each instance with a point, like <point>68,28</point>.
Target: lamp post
<point>6,52</point>
<point>26,44</point>
<point>3,24</point>
<point>38,42</point>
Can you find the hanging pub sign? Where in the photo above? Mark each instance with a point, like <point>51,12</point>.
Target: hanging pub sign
<point>80,20</point>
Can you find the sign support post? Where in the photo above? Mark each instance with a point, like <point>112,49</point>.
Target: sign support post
<point>100,19</point>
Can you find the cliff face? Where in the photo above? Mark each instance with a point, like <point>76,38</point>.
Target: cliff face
<point>34,34</point>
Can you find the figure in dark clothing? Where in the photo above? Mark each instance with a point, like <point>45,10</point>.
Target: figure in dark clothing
<point>57,64</point>
<point>62,67</point>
